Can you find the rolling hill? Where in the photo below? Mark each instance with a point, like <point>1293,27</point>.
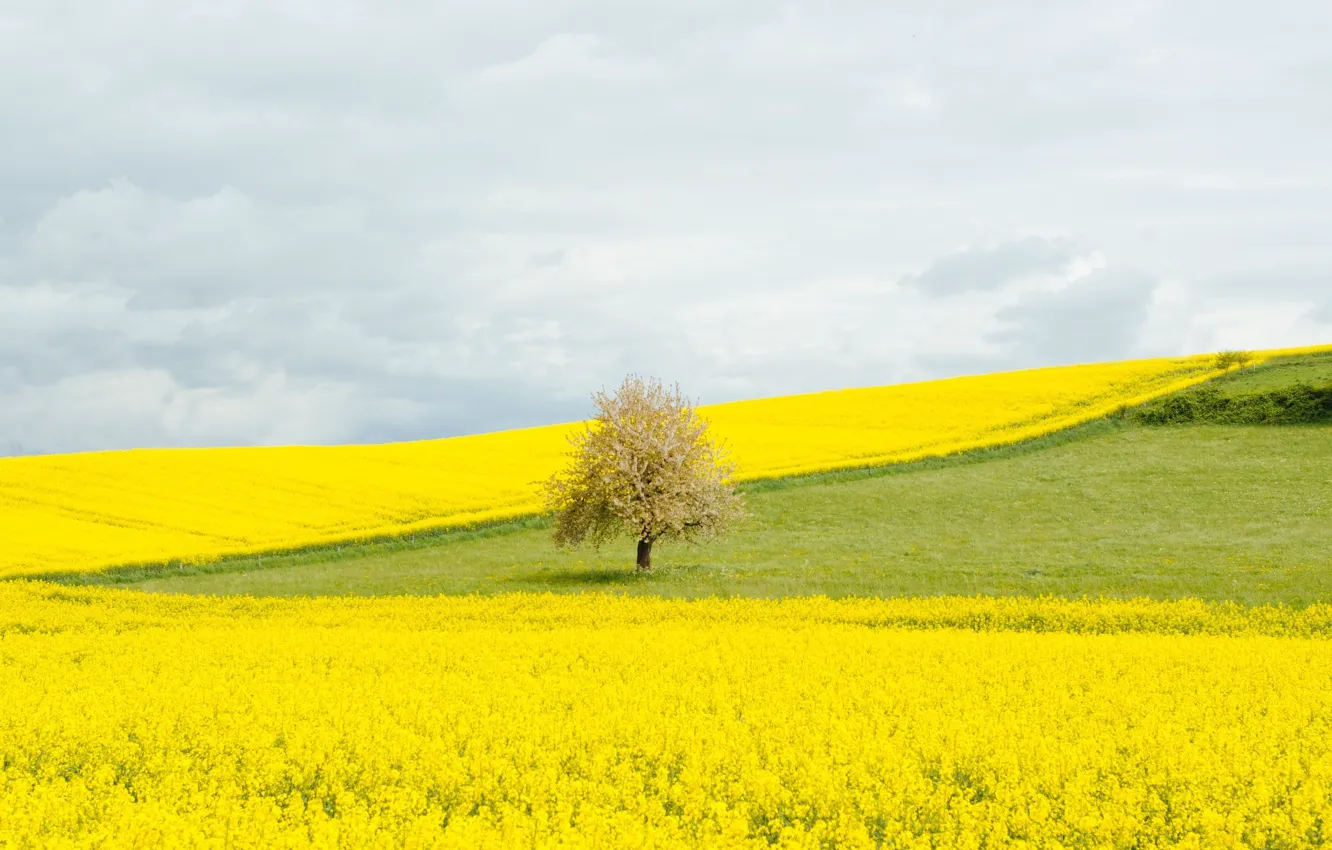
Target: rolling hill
<point>1114,507</point>
<point>85,512</point>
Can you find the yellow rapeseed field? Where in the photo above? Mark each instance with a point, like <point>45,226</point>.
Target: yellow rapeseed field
<point>538,721</point>
<point>85,512</point>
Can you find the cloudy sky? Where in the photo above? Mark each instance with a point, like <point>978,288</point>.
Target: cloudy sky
<point>335,221</point>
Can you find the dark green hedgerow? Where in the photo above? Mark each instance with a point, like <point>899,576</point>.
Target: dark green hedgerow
<point>1299,404</point>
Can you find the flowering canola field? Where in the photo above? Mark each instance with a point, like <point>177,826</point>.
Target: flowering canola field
<point>86,512</point>
<point>536,721</point>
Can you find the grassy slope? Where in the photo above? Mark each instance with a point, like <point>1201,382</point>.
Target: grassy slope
<point>1309,369</point>
<point>1122,510</point>
<point>1212,512</point>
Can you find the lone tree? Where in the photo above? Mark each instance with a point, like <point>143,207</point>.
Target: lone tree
<point>644,466</point>
<point>1225,359</point>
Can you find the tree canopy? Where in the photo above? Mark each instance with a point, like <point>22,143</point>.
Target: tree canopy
<point>646,467</point>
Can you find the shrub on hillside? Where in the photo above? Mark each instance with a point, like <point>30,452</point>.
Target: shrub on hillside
<point>1224,360</point>
<point>1296,405</point>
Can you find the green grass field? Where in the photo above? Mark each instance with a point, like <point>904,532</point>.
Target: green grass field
<point>1110,509</point>
<point>1313,369</point>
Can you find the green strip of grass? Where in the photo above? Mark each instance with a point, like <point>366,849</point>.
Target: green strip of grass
<point>323,554</point>
<point>304,556</point>
<point>1213,512</point>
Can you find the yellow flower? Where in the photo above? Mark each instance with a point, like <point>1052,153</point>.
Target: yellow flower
<point>596,721</point>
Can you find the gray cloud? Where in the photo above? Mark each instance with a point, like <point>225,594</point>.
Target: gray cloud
<point>203,252</point>
<point>978,269</point>
<point>261,222</point>
<point>1098,317</point>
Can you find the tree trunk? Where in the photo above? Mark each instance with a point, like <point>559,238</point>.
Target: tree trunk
<point>644,555</point>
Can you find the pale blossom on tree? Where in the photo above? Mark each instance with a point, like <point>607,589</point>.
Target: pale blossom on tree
<point>644,466</point>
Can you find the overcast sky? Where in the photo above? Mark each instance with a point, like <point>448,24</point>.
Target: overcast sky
<point>334,221</point>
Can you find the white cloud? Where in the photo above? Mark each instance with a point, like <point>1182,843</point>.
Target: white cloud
<point>909,93</point>
<point>579,57</point>
<point>198,251</point>
<point>145,406</point>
